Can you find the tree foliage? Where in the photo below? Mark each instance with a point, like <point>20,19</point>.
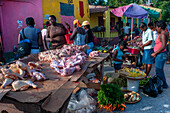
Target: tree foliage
<point>97,2</point>
<point>165,6</point>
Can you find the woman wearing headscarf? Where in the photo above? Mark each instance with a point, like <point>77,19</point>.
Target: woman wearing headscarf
<point>79,34</point>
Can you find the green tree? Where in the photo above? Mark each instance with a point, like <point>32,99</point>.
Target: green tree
<point>165,6</point>
<point>92,2</point>
<point>97,2</point>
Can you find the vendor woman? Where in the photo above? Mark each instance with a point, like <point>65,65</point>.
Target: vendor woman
<point>118,55</point>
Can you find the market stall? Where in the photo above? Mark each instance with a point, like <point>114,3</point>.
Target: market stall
<point>54,92</point>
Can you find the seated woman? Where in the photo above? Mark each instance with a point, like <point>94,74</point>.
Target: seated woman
<point>118,55</point>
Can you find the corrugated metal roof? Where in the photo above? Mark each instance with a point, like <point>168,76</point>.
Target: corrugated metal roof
<point>97,9</point>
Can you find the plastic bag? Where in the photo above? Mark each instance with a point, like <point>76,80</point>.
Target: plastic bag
<point>159,84</point>
<point>150,88</point>
<point>139,60</point>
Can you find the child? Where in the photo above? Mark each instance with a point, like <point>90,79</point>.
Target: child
<point>117,55</point>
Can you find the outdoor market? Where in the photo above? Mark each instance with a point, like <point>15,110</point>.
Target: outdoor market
<point>78,57</point>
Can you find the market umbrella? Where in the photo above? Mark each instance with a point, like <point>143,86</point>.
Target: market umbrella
<point>153,12</point>
<point>132,10</point>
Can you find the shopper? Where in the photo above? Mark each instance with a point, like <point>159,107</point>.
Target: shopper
<point>33,35</point>
<point>155,33</point>
<point>44,33</point>
<point>79,34</point>
<point>160,52</point>
<point>136,30</point>
<point>147,45</point>
<point>126,29</point>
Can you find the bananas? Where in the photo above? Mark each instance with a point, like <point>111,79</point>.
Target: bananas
<point>134,72</point>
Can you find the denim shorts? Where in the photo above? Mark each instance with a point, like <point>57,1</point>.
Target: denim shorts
<point>118,66</point>
<point>147,58</point>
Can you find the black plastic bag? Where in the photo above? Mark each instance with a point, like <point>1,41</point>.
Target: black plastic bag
<point>139,60</point>
<point>159,84</point>
<point>150,88</point>
<point>24,47</point>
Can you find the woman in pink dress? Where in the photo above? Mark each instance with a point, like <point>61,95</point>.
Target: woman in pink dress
<point>160,52</point>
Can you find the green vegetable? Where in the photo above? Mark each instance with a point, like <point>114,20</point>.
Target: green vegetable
<point>110,94</point>
<point>143,82</point>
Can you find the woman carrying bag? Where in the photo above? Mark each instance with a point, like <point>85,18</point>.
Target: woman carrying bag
<point>30,35</point>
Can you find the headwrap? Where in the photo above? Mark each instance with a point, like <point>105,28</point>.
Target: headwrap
<point>77,22</point>
<point>85,23</point>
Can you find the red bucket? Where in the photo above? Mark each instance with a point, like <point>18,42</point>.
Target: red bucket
<point>133,50</point>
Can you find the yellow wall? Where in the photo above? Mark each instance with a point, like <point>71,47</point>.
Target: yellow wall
<point>52,7</point>
<point>94,23</point>
<point>94,19</point>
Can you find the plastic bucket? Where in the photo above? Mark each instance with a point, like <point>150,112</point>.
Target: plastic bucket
<point>133,85</point>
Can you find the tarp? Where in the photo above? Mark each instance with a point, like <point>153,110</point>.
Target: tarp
<point>132,10</point>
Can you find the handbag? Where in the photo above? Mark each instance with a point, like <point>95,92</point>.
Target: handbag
<point>24,47</point>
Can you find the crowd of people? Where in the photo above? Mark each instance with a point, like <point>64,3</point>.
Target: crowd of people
<point>154,45</point>
<point>56,34</point>
<point>154,41</point>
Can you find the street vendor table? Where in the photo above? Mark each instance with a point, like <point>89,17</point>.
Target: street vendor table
<point>133,56</point>
<point>53,94</point>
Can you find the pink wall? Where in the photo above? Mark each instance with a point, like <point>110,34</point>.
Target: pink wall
<point>15,11</point>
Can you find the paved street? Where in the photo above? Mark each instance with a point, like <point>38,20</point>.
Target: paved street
<point>160,104</point>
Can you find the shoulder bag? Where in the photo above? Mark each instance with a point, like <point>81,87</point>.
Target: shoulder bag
<point>24,47</point>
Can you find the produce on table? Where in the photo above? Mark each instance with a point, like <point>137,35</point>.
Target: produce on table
<point>110,97</point>
<point>132,72</point>
<point>131,97</point>
<point>94,54</point>
<point>133,47</point>
<point>120,82</point>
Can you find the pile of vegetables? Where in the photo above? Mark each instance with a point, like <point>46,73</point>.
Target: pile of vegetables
<point>134,72</point>
<point>110,97</point>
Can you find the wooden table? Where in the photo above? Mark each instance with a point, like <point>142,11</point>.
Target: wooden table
<point>133,56</point>
<point>53,94</point>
